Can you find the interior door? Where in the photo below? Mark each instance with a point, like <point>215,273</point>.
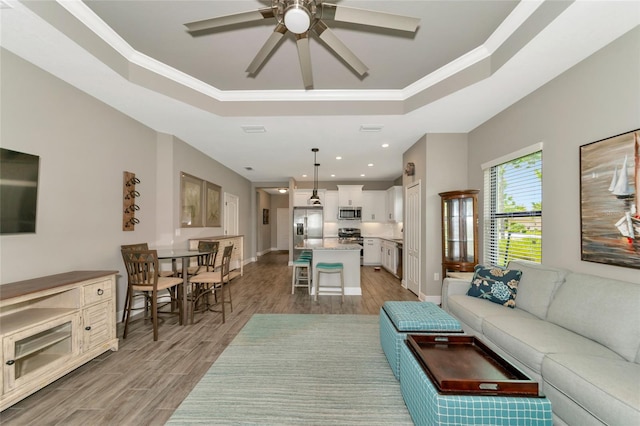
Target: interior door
<point>231,214</point>
<point>412,238</point>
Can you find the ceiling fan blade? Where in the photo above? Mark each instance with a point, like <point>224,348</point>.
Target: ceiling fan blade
<point>304,54</point>
<point>369,17</point>
<point>236,18</point>
<point>339,47</point>
<point>266,49</point>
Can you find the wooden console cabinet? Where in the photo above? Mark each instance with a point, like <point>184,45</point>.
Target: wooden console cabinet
<point>50,326</point>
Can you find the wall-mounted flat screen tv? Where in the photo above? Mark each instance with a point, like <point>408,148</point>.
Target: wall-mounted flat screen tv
<point>18,191</point>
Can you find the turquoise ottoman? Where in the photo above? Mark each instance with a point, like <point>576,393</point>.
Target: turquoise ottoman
<point>397,319</point>
<point>428,407</point>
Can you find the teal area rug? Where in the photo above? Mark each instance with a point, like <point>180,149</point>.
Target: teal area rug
<point>299,369</point>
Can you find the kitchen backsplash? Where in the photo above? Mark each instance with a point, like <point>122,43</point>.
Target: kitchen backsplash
<point>368,229</point>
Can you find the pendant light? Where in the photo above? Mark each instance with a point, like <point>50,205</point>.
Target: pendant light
<point>314,197</point>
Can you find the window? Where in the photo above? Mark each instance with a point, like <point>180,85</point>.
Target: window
<point>513,208</point>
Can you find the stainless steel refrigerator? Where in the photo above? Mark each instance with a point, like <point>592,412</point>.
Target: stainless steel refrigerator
<point>307,225</point>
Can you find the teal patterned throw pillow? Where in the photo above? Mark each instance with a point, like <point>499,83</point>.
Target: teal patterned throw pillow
<point>495,284</point>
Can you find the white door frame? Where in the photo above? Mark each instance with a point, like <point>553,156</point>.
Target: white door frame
<point>412,237</point>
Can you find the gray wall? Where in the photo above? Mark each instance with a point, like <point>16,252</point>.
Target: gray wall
<point>598,98</point>
<point>445,152</point>
<point>440,165</point>
<point>84,148</point>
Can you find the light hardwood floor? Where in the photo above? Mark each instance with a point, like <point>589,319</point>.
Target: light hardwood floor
<point>145,381</point>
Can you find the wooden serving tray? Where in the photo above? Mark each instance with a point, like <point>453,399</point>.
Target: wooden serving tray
<point>464,365</point>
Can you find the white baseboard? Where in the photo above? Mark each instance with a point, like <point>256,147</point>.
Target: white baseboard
<point>433,299</point>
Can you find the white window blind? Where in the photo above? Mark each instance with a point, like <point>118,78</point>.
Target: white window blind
<point>513,210</point>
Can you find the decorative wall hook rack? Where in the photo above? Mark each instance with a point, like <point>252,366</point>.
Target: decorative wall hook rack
<point>129,206</point>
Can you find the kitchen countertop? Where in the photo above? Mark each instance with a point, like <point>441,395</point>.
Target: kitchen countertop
<point>393,240</point>
<point>328,244</point>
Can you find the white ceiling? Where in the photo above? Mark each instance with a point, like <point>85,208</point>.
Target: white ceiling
<point>468,61</point>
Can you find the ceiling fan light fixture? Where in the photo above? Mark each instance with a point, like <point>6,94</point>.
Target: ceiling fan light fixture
<point>297,19</point>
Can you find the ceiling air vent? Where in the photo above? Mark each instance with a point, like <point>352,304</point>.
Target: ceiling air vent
<point>371,127</point>
<point>254,129</point>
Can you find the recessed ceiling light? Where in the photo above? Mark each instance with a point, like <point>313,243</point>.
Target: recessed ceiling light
<point>371,127</point>
<point>254,129</point>
<point>385,145</point>
<point>304,175</point>
<point>362,175</point>
<point>338,158</point>
<point>370,164</point>
<point>333,175</point>
<point>282,190</point>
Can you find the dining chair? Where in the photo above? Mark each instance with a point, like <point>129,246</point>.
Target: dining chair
<point>145,246</point>
<point>143,277</point>
<point>209,283</point>
<point>141,246</point>
<point>204,262</point>
<point>138,246</point>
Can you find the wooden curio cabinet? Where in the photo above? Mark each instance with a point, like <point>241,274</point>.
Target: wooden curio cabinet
<point>459,231</point>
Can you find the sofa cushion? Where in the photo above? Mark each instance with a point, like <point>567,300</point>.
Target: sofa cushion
<point>528,340</point>
<point>538,284</point>
<point>472,310</point>
<point>601,309</point>
<point>495,284</point>
<point>608,388</point>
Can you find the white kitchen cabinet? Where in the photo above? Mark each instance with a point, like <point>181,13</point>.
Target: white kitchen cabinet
<point>389,256</point>
<point>52,325</point>
<point>371,251</point>
<point>302,197</point>
<point>350,195</point>
<point>394,204</point>
<point>374,206</point>
<point>330,211</point>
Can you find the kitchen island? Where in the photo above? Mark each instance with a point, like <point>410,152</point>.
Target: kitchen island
<point>331,250</point>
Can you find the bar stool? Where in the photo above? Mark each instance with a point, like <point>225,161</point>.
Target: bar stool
<point>298,279</point>
<point>329,268</point>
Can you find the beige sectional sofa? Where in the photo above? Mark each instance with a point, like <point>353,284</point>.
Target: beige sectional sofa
<point>578,335</point>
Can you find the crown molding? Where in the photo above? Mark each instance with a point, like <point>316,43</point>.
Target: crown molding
<point>87,17</point>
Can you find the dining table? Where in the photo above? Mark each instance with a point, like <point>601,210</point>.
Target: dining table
<point>184,255</point>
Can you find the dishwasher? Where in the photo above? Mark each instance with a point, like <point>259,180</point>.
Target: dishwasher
<point>399,260</point>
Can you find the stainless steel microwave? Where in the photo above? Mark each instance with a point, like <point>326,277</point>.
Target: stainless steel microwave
<point>350,213</point>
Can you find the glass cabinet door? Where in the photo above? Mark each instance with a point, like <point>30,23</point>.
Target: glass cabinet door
<point>28,352</point>
<point>459,231</point>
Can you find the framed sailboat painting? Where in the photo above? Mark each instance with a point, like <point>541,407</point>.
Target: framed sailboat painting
<point>610,200</point>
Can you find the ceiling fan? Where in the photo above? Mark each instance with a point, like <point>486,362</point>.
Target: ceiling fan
<point>302,17</point>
